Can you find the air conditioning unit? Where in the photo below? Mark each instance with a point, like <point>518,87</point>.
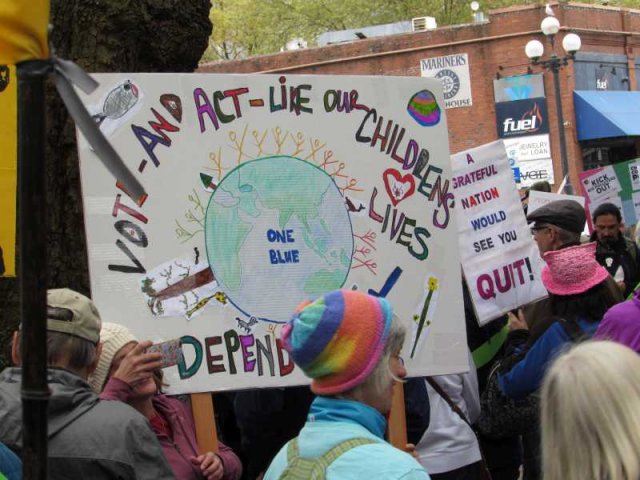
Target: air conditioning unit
<point>421,24</point>
<point>295,44</point>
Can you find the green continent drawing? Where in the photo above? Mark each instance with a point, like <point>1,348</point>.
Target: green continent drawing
<point>277,232</point>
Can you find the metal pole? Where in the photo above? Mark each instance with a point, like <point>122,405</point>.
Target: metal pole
<point>32,265</point>
<point>555,68</point>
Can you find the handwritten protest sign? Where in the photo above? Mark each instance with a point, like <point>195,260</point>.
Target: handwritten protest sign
<point>265,191</point>
<point>634,174</point>
<point>618,184</point>
<point>500,260</point>
<point>600,183</point>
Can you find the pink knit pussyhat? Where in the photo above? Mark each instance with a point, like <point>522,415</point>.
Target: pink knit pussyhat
<point>572,270</point>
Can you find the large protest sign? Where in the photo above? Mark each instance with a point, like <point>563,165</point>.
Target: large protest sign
<point>618,184</point>
<point>265,191</point>
<point>500,260</point>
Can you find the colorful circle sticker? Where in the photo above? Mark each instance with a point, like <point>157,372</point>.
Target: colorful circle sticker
<point>424,108</point>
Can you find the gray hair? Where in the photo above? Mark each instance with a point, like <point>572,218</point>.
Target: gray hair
<point>565,236</point>
<point>381,377</point>
<point>69,352</point>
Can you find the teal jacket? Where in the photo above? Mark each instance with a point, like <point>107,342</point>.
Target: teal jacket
<point>332,421</point>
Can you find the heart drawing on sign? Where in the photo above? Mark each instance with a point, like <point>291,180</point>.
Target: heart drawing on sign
<point>398,187</point>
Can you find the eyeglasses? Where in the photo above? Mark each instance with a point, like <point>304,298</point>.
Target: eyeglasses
<point>535,230</point>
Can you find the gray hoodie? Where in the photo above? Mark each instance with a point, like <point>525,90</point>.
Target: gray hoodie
<point>88,438</point>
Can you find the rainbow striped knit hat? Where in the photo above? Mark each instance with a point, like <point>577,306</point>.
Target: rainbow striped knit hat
<point>338,339</point>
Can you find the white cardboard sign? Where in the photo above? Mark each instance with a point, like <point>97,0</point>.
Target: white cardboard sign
<point>500,260</point>
<point>602,184</point>
<point>265,191</point>
<point>539,199</point>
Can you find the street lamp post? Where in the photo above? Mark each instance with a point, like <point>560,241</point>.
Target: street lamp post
<point>534,49</point>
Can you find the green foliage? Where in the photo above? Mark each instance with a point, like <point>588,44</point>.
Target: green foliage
<point>242,28</point>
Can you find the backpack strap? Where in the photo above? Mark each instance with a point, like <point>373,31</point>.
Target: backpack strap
<point>633,292</point>
<point>315,468</point>
<point>485,474</point>
<point>293,451</point>
<point>327,458</point>
<point>343,447</point>
<point>452,405</point>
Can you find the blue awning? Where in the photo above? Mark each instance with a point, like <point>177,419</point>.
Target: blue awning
<point>602,114</point>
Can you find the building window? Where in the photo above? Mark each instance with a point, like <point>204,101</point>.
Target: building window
<point>608,151</point>
<point>595,157</point>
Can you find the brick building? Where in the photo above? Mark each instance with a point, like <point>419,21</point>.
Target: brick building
<point>602,120</point>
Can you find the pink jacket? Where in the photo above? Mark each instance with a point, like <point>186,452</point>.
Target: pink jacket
<point>183,447</point>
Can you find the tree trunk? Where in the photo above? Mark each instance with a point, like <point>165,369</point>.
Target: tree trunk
<point>101,36</point>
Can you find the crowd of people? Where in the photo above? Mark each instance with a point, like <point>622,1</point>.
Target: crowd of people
<point>561,376</point>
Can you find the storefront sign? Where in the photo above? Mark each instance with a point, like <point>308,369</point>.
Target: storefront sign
<point>531,155</point>
<point>532,171</point>
<point>520,87</point>
<point>528,148</point>
<point>453,71</point>
<point>602,79</point>
<point>522,117</point>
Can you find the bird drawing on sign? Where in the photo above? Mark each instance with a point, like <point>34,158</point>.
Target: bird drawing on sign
<point>549,11</point>
<point>351,206</point>
<point>118,102</point>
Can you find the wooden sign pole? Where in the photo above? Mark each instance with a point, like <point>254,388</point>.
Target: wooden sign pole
<point>205,420</point>
<point>397,430</point>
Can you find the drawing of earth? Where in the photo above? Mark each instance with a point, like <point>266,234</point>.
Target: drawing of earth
<point>277,232</point>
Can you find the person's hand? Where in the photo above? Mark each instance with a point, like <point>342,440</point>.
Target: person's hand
<point>138,365</point>
<point>410,448</point>
<point>517,322</point>
<point>210,465</point>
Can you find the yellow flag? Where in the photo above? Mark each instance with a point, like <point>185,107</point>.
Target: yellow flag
<point>8,168</point>
<point>23,30</point>
<point>23,36</point>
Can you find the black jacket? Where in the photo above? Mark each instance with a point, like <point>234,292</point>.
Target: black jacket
<point>623,254</point>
